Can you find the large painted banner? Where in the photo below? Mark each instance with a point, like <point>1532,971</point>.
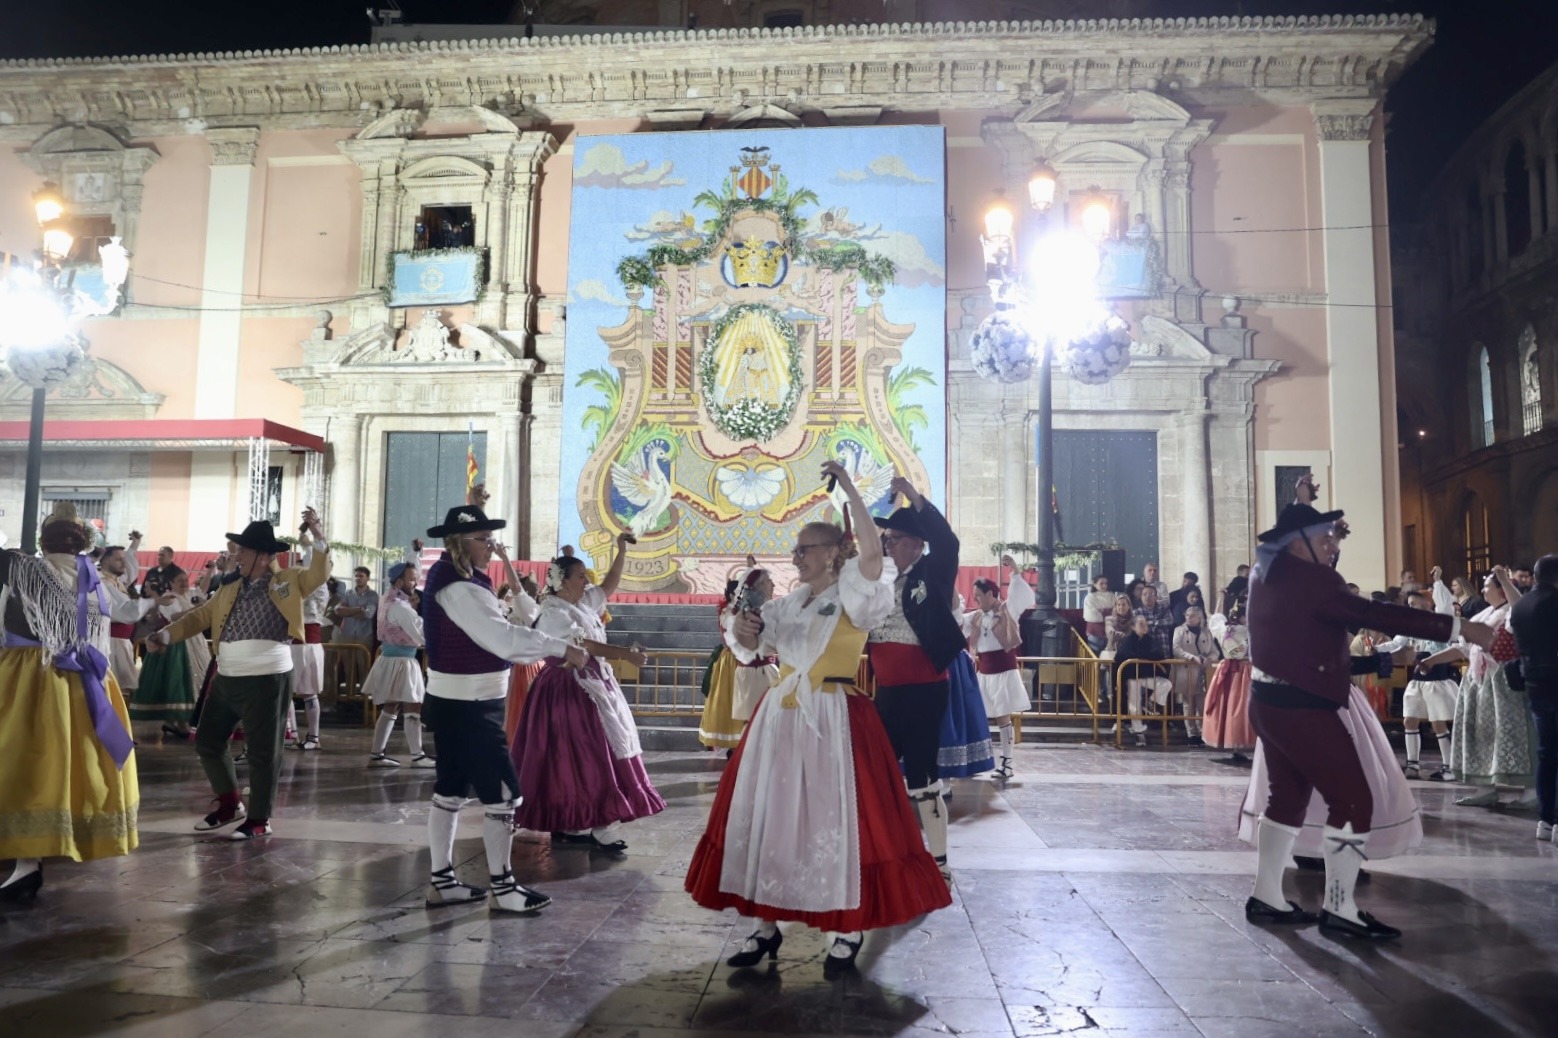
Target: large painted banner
<point>744,305</point>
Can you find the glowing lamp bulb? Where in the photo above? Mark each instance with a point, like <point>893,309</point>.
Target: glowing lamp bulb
<point>1041,187</point>
<point>48,205</point>
<point>999,220</point>
<point>57,241</point>
<point>1097,217</point>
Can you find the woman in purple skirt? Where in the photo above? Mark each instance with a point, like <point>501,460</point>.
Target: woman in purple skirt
<point>580,764</point>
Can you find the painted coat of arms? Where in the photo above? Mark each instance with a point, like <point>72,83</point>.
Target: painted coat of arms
<point>743,306</point>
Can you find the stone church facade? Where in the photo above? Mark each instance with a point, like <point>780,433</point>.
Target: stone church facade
<point>263,195</point>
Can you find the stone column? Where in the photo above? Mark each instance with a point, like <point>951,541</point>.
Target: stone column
<point>506,495</point>
<point>1357,396</point>
<point>1015,463</point>
<point>345,477</point>
<point>523,200</point>
<point>1500,226</point>
<point>1551,173</point>
<point>211,476</point>
<point>1196,506</point>
<point>221,283</point>
<point>1534,190</point>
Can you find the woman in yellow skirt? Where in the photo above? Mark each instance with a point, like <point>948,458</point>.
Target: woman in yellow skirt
<point>67,766</point>
<point>718,728</point>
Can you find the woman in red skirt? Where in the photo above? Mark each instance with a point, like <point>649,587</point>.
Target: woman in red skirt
<point>811,823</point>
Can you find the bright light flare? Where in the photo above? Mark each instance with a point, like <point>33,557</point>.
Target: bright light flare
<point>999,220</point>
<point>31,314</point>
<point>1097,216</point>
<point>48,205</point>
<point>1062,288</point>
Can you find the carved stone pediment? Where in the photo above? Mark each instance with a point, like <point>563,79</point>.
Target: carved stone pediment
<point>101,391</point>
<point>1160,337</point>
<point>763,115</point>
<point>430,344</point>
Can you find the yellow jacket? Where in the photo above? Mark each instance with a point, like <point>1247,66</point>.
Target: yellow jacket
<point>288,588</point>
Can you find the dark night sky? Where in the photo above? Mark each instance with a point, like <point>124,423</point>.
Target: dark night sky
<point>1483,53</point>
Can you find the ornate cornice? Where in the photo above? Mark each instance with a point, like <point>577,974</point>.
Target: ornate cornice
<point>946,66</point>
<point>233,145</point>
<point>1344,120</point>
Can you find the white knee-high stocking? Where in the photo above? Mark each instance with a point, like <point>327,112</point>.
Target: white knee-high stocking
<point>497,832</point>
<point>414,734</point>
<point>1274,850</point>
<point>442,818</point>
<point>311,713</point>
<point>382,730</point>
<point>1343,861</point>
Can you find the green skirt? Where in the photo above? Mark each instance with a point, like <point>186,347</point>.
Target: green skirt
<point>167,690</point>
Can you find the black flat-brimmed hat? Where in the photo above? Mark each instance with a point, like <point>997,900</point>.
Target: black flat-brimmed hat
<point>1296,517</point>
<point>904,520</point>
<point>466,519</point>
<point>260,536</point>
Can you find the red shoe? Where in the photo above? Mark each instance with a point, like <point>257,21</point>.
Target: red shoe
<point>220,817</point>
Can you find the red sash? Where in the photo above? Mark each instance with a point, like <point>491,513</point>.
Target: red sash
<point>898,663</point>
<point>762,661</point>
<point>117,630</point>
<point>998,662</point>
<point>311,634</point>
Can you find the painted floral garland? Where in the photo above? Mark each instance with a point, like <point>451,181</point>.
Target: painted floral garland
<point>750,419</point>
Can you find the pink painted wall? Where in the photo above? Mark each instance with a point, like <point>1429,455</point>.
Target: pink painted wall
<point>171,247</point>
<point>159,354</point>
<point>1292,407</point>
<point>267,343</point>
<point>307,219</point>
<point>168,506</point>
<point>18,225</point>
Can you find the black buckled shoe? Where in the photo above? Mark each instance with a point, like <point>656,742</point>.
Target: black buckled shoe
<point>510,895</point>
<point>835,966</point>
<point>1257,911</point>
<point>769,946</point>
<point>1370,929</point>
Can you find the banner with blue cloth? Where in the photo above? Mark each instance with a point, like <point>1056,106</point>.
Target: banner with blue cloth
<point>435,277</point>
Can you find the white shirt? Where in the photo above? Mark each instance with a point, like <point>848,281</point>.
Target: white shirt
<point>478,613</point>
<point>795,630</point>
<point>400,613</point>
<point>1020,597</point>
<point>523,609</point>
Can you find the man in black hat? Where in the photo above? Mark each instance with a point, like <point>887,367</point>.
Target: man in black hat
<point>911,650</point>
<point>252,622</point>
<point>1299,614</point>
<point>470,647</point>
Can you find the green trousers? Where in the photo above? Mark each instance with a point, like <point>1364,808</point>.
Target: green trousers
<point>259,703</point>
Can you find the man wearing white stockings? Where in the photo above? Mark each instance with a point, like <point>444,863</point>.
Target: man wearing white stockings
<point>395,683</point>
<point>470,648</point>
<point>911,651</point>
<point>1300,612</point>
<point>308,656</point>
<point>993,632</point>
<point>1430,695</point>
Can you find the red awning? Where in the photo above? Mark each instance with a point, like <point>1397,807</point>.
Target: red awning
<point>156,434</point>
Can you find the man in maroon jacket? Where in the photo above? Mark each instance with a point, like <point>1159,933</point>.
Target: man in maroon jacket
<point>1300,613</point>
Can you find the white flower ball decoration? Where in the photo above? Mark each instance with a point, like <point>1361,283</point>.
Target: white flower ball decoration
<point>1002,349</point>
<point>45,367</point>
<point>1101,356</point>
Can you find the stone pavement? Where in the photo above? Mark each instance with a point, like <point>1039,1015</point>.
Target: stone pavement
<point>1101,893</point>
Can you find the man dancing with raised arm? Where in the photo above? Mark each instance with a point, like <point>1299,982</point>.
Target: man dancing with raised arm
<point>252,620</point>
<point>470,646</point>
<point>1300,612</point>
<point>911,650</point>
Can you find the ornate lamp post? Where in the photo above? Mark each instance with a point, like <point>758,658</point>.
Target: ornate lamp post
<point>1047,308</point>
<point>40,316</point>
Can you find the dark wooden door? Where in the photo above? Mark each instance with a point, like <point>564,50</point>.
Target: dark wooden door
<point>1107,485</point>
<point>424,477</point>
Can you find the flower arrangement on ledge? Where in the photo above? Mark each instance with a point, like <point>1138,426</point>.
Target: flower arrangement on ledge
<point>1067,556</point>
<point>360,551</point>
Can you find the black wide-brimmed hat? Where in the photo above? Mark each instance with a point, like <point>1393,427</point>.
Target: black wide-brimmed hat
<point>466,519</point>
<point>1296,517</point>
<point>904,520</point>
<point>260,536</point>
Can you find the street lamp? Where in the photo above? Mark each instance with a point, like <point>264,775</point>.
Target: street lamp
<point>40,317</point>
<point>1046,300</point>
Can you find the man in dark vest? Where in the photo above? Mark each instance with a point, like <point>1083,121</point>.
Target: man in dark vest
<point>1534,621</point>
<point>911,650</point>
<point>470,647</point>
<point>1299,614</point>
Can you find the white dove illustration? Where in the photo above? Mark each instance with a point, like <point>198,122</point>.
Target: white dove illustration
<point>644,485</point>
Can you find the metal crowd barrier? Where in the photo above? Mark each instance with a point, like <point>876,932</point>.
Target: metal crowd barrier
<point>1121,700</point>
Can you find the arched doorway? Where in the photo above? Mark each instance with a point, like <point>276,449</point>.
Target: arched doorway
<point>1476,549</point>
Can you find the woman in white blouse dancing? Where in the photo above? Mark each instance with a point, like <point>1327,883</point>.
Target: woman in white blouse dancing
<point>811,823</point>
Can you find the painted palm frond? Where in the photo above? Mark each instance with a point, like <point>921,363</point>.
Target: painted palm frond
<point>598,418</point>
<point>906,416</point>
